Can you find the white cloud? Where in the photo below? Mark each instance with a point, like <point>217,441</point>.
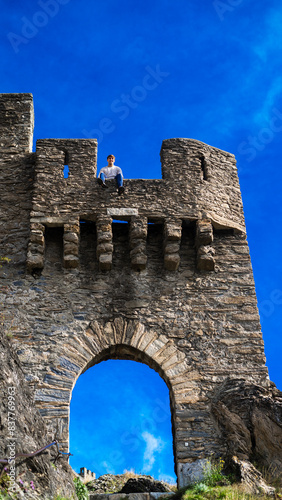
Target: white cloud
<point>153,445</point>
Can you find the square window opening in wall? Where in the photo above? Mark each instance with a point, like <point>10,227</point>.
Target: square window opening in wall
<point>187,245</point>
<point>54,247</point>
<point>120,226</point>
<point>154,246</point>
<point>155,225</point>
<point>88,245</point>
<point>189,226</point>
<point>155,230</point>
<point>120,229</point>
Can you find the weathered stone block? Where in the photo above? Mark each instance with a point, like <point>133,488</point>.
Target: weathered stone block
<point>140,248</point>
<point>139,262</point>
<point>34,261</point>
<point>137,243</point>
<point>171,248</point>
<point>138,232</point>
<point>171,261</point>
<point>104,248</point>
<point>205,263</point>
<point>38,238</point>
<point>37,227</point>
<point>104,236</point>
<point>189,473</point>
<point>70,248</point>
<point>71,228</point>
<point>71,237</point>
<point>173,232</point>
<point>35,248</point>
<point>204,234</point>
<point>71,261</point>
<point>105,262</point>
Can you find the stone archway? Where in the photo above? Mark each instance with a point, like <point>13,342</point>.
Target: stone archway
<point>120,339</point>
<point>120,419</point>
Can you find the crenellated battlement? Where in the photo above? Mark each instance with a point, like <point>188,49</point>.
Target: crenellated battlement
<point>197,180</point>
<point>199,184</point>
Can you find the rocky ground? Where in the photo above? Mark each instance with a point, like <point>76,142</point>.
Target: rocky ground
<point>127,483</point>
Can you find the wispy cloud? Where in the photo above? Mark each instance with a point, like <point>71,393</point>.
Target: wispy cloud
<point>108,467</point>
<point>274,93</point>
<point>265,74</point>
<point>271,41</point>
<point>153,445</point>
<point>167,478</point>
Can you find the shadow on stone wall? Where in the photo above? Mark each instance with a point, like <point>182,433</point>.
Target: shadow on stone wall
<point>22,430</point>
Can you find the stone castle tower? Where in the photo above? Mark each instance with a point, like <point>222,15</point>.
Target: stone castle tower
<point>171,287</point>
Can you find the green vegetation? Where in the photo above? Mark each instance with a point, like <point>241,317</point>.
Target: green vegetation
<point>4,484</point>
<point>203,492</point>
<point>215,485</point>
<point>59,497</point>
<point>213,474</point>
<point>80,489</point>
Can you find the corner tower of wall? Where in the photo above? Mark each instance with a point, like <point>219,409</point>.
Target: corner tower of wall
<point>210,177</point>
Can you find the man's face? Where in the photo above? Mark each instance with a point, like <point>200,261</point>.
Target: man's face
<point>111,160</point>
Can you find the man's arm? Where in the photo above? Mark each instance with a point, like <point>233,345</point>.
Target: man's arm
<point>101,171</point>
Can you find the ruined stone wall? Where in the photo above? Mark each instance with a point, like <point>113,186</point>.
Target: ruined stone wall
<point>23,431</point>
<point>172,286</point>
<point>16,171</point>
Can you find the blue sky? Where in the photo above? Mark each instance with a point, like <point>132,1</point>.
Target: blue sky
<point>135,73</point>
<point>130,424</point>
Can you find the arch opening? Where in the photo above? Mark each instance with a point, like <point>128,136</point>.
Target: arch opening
<point>120,409</point>
<point>121,339</point>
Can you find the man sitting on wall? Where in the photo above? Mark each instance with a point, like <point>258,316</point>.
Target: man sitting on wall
<point>111,172</point>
